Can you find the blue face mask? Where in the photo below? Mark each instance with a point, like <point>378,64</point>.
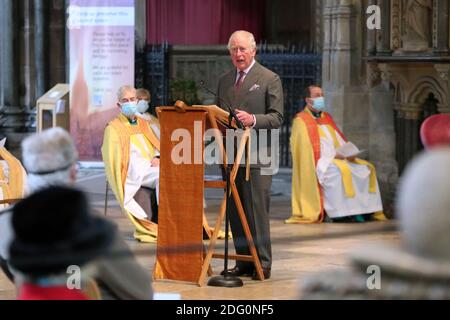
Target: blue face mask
<point>129,109</point>
<point>319,103</point>
<point>142,106</point>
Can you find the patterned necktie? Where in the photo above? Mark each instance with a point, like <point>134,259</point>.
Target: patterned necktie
<point>239,81</point>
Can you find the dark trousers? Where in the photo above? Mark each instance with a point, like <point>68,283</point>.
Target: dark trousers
<point>146,198</point>
<point>255,199</point>
<point>5,268</point>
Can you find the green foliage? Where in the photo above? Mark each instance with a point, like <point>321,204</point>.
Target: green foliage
<point>184,90</point>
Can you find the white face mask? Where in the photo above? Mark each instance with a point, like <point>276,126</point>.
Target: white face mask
<point>129,109</point>
<point>142,106</point>
<point>318,103</point>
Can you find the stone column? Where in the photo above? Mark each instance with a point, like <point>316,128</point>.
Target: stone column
<point>40,47</point>
<point>56,61</point>
<point>317,25</point>
<point>442,45</point>
<point>8,57</point>
<point>382,143</point>
<point>384,43</point>
<point>409,117</point>
<point>364,114</point>
<point>371,39</point>
<point>326,47</point>
<point>28,64</point>
<point>340,61</point>
<point>140,24</point>
<point>342,44</point>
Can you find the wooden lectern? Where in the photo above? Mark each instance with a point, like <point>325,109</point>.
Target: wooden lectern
<point>181,254</point>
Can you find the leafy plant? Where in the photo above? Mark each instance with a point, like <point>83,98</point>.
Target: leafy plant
<point>184,90</point>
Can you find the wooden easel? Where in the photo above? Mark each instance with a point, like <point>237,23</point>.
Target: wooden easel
<point>253,257</point>
<point>9,201</point>
<point>214,116</point>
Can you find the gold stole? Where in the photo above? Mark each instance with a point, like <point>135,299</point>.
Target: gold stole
<point>14,189</point>
<point>345,169</point>
<point>124,133</point>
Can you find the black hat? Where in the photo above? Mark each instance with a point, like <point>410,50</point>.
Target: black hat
<point>54,229</point>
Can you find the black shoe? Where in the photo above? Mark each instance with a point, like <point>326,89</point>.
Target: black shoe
<point>266,272</point>
<point>238,271</point>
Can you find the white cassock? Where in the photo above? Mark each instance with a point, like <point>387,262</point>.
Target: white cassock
<point>336,203</point>
<point>140,174</point>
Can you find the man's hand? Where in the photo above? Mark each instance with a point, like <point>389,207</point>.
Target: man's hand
<point>245,117</point>
<point>339,156</point>
<point>155,162</point>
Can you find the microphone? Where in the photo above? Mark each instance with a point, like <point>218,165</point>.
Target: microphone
<point>239,124</point>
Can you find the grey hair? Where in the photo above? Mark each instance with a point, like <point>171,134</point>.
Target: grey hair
<point>123,89</point>
<point>246,34</point>
<point>51,149</point>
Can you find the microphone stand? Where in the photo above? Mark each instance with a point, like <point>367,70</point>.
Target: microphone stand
<point>233,115</point>
<point>226,280</point>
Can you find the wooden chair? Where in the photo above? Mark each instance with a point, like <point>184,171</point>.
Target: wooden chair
<point>146,197</point>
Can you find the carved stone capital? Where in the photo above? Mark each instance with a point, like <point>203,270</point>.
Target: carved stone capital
<point>411,111</point>
<point>373,75</point>
<point>443,71</point>
<point>386,75</point>
<point>444,108</point>
<point>443,76</point>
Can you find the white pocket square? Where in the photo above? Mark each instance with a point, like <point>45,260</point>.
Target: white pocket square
<point>254,87</point>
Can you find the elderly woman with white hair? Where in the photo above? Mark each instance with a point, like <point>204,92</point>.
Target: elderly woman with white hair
<point>50,159</point>
<point>419,268</point>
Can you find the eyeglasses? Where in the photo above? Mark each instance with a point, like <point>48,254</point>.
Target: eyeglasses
<point>236,49</point>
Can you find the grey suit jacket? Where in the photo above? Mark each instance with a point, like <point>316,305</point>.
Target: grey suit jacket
<point>260,94</point>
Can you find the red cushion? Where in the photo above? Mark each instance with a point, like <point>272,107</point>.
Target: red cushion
<point>435,131</point>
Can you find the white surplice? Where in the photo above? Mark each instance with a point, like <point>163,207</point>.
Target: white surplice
<point>336,203</point>
<point>140,174</point>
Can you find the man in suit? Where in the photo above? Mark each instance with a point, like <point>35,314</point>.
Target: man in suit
<point>256,94</point>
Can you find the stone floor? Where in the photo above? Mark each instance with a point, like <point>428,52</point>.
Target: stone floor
<point>298,250</point>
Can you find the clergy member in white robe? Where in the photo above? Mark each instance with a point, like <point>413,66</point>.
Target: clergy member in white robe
<point>130,152</point>
<point>326,182</point>
<point>339,202</point>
